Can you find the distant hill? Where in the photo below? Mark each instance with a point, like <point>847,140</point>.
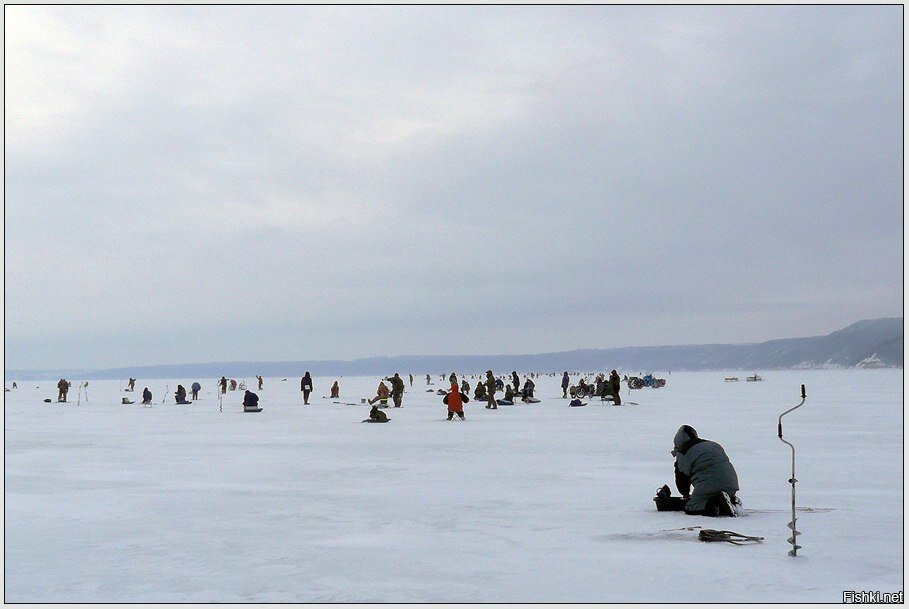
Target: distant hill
<point>876,343</point>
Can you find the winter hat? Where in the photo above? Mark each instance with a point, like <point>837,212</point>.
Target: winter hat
<point>685,434</point>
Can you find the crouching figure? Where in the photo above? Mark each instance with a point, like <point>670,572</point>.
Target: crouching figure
<point>704,465</point>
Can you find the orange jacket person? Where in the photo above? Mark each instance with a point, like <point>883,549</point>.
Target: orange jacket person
<point>455,400</point>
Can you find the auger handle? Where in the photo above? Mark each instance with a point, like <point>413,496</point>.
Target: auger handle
<point>779,425</point>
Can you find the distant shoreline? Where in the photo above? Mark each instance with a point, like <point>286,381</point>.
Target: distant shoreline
<point>870,344</point>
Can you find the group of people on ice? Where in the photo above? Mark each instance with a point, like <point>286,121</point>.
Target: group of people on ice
<point>704,475</point>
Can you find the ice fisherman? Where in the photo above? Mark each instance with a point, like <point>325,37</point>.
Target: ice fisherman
<point>491,390</point>
<point>455,400</point>
<point>704,465</point>
<point>381,394</point>
<point>250,401</point>
<point>336,390</point>
<point>397,389</point>
<point>180,395</point>
<point>565,383</point>
<point>479,393</point>
<point>146,396</point>
<point>529,386</point>
<point>613,386</point>
<point>62,390</point>
<point>376,416</point>
<point>196,388</point>
<point>306,387</point>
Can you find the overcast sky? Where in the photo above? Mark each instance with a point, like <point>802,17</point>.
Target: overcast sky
<point>192,184</point>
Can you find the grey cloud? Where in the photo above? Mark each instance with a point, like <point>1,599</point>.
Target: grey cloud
<point>520,178</point>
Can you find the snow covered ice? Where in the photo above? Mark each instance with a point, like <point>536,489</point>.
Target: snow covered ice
<point>108,502</point>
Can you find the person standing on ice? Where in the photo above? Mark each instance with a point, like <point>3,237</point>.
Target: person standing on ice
<point>306,387</point>
<point>336,390</point>
<point>397,389</point>
<point>515,380</point>
<point>565,383</point>
<point>196,388</point>
<point>703,464</point>
<point>613,386</point>
<point>411,380</point>
<point>455,401</point>
<point>490,391</point>
<point>223,383</point>
<point>261,381</point>
<point>62,388</point>
<point>146,396</point>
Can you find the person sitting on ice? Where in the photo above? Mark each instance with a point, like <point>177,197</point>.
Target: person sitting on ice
<point>335,390</point>
<point>376,416</point>
<point>180,395</point>
<point>250,402</point>
<point>455,400</point>
<point>527,392</point>
<point>705,465</point>
<point>508,400</point>
<point>600,389</point>
<point>480,392</point>
<point>381,394</point>
<point>146,396</point>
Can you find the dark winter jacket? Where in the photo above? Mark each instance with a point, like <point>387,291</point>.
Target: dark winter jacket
<point>146,396</point>
<point>377,415</point>
<point>565,381</point>
<point>180,394</point>
<point>615,383</point>
<point>480,392</point>
<point>397,385</point>
<point>704,465</point>
<point>491,384</point>
<point>250,400</point>
<point>528,388</point>
<point>306,383</point>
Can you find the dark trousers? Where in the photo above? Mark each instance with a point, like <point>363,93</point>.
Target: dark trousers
<point>714,505</point>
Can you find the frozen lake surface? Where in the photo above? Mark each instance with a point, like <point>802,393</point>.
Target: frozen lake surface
<point>530,503</point>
